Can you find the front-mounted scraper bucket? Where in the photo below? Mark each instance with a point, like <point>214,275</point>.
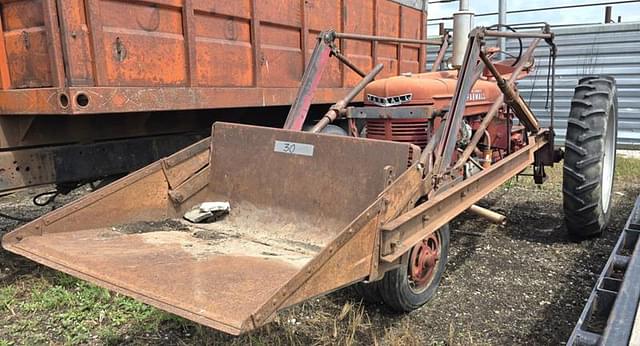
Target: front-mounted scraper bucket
<point>304,220</point>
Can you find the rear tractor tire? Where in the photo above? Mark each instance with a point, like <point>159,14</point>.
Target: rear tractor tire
<point>590,157</point>
<point>411,285</point>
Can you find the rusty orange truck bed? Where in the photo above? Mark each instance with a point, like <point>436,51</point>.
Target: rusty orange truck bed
<point>104,56</point>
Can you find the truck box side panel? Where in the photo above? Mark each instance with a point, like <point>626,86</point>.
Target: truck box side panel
<point>76,42</point>
<point>223,38</point>
<point>388,24</point>
<point>138,44</point>
<point>117,56</point>
<point>25,38</point>
<point>411,27</point>
<point>322,15</point>
<point>359,22</point>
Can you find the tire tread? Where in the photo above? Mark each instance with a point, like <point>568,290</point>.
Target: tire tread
<point>594,99</point>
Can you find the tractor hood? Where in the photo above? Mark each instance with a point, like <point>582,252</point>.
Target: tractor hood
<point>432,88</point>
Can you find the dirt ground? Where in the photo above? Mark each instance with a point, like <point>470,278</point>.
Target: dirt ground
<point>523,283</point>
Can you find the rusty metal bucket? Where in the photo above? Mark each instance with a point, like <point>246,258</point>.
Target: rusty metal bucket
<point>304,220</point>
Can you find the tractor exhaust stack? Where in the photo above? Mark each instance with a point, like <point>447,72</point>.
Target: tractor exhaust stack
<point>462,25</point>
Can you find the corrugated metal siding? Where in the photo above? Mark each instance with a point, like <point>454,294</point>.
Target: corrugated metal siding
<point>612,49</point>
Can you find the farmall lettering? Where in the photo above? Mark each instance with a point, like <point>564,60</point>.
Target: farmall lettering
<point>476,95</point>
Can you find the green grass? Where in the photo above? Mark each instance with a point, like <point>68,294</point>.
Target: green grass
<point>55,308</point>
<point>627,167</point>
<point>58,307</point>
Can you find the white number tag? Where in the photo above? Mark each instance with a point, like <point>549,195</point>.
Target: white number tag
<point>293,148</point>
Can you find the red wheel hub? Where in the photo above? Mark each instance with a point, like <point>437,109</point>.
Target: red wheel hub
<point>424,261</point>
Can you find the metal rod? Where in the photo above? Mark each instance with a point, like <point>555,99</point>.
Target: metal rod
<point>490,215</point>
<point>607,15</point>
<point>544,9</point>
<point>441,52</point>
<point>553,87</point>
<point>502,21</point>
<point>335,110</point>
<point>359,37</point>
<point>526,57</point>
<point>310,82</point>
<point>477,136</point>
<point>470,71</point>
<point>512,98</point>
<point>510,34</point>
<point>343,59</point>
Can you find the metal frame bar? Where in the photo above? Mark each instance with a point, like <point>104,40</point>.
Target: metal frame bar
<point>526,57</point>
<point>441,52</point>
<point>401,234</point>
<point>509,34</point>
<point>189,28</point>
<point>343,59</point>
<point>449,196</point>
<point>615,295</point>
<point>54,44</point>
<point>551,8</point>
<point>310,82</point>
<point>469,73</point>
<point>337,109</point>
<point>374,112</point>
<point>359,37</point>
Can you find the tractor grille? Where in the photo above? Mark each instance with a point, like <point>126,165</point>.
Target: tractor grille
<point>415,131</point>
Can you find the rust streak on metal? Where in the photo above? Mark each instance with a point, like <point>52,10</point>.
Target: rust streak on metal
<point>304,32</point>
<point>256,43</point>
<point>54,43</point>
<point>423,35</point>
<point>5,79</point>
<point>94,20</point>
<point>189,28</point>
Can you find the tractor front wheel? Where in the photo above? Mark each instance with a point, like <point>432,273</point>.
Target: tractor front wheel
<point>410,286</point>
<point>590,156</point>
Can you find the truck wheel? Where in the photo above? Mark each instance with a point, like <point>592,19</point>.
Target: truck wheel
<point>590,156</point>
<point>409,287</point>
